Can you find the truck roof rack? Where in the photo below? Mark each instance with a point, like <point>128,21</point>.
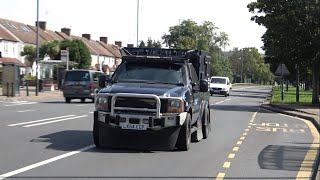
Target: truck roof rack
<point>154,52</point>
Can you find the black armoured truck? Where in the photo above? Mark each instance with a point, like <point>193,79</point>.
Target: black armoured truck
<point>157,99</point>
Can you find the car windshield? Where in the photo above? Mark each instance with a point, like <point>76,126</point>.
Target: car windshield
<point>218,80</point>
<point>151,73</point>
<point>77,76</point>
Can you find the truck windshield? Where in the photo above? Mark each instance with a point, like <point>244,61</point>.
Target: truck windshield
<point>151,73</point>
<point>218,80</point>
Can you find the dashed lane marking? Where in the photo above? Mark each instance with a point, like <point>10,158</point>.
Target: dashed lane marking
<point>242,138</point>
<point>231,156</point>
<point>223,101</point>
<point>244,134</point>
<point>27,168</point>
<point>239,142</point>
<point>49,122</point>
<point>235,149</point>
<point>226,164</point>
<point>247,130</point>
<point>41,120</point>
<point>249,126</point>
<point>26,110</point>
<point>220,176</point>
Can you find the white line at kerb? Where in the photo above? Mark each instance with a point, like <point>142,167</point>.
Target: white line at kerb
<point>59,120</point>
<point>20,104</point>
<point>41,120</point>
<point>27,168</point>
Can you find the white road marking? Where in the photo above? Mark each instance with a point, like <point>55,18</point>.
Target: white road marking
<point>41,120</point>
<point>26,110</point>
<point>27,168</point>
<point>223,101</point>
<point>90,112</point>
<point>79,105</point>
<point>49,122</point>
<point>20,104</point>
<point>219,102</point>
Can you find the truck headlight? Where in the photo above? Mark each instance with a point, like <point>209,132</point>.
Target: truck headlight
<point>102,104</point>
<point>175,106</point>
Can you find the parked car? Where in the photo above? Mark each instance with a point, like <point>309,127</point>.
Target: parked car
<point>80,84</point>
<point>220,85</point>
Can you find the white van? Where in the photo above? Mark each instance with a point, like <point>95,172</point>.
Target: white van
<point>220,85</point>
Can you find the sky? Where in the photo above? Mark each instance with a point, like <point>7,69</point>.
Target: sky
<point>117,19</point>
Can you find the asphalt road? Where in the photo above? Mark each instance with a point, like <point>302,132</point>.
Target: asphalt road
<point>53,140</point>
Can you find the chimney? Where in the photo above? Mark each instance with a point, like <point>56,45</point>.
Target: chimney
<point>87,36</point>
<point>118,43</point>
<point>104,39</point>
<point>42,25</point>
<point>67,31</point>
<point>130,45</point>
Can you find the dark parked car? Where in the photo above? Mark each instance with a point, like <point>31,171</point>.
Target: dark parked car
<point>80,84</point>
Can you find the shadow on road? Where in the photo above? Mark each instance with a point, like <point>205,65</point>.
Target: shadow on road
<point>287,158</point>
<point>237,108</point>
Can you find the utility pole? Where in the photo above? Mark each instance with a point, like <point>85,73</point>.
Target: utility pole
<point>37,59</point>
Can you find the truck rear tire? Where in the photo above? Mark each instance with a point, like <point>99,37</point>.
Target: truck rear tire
<point>184,139</point>
<point>206,124</point>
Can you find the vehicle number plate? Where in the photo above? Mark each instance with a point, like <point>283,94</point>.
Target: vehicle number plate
<point>133,126</point>
<point>216,91</point>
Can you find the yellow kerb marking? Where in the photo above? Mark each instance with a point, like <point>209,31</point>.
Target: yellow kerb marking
<point>254,116</point>
<point>235,149</point>
<point>239,142</point>
<point>242,138</point>
<point>249,126</point>
<point>244,134</point>
<point>220,176</point>
<point>231,156</point>
<point>247,130</point>
<point>306,168</point>
<point>226,164</point>
<point>250,123</point>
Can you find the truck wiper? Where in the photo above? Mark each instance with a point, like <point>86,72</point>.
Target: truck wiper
<point>159,82</point>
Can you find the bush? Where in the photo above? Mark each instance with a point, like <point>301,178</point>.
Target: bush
<point>31,78</point>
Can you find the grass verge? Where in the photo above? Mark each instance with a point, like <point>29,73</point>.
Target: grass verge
<point>290,95</point>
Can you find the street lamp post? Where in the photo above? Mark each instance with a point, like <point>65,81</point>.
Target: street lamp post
<point>137,23</point>
<point>37,58</point>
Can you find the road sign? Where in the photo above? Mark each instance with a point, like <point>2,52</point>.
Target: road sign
<point>282,70</point>
<point>64,56</point>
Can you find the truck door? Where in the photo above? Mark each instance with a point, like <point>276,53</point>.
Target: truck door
<point>196,94</point>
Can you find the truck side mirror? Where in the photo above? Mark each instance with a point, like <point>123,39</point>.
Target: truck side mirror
<point>204,85</point>
<point>195,87</point>
<point>102,81</point>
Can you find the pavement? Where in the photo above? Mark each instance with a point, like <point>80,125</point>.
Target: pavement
<point>44,95</point>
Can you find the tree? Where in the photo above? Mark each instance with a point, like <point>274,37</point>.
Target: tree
<point>292,36</point>
<point>142,44</point>
<point>50,49</point>
<point>30,53</point>
<point>190,35</point>
<point>78,52</point>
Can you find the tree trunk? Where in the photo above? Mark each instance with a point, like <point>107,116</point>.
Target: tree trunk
<point>315,82</point>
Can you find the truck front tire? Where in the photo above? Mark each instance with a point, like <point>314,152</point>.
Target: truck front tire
<point>184,139</point>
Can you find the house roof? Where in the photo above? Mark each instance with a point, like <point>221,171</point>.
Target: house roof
<point>4,34</point>
<point>12,60</point>
<point>47,35</point>
<point>114,49</point>
<point>21,31</point>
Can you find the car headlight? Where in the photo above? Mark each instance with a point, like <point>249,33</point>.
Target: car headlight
<point>223,89</point>
<point>102,104</point>
<point>175,106</point>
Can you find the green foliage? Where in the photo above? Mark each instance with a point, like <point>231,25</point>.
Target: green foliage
<point>31,78</point>
<point>292,36</point>
<point>50,49</point>
<point>30,53</point>
<point>250,63</point>
<point>150,44</point>
<point>78,52</point>
<point>290,96</point>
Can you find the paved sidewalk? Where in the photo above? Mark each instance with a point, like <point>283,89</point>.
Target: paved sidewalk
<point>44,95</point>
